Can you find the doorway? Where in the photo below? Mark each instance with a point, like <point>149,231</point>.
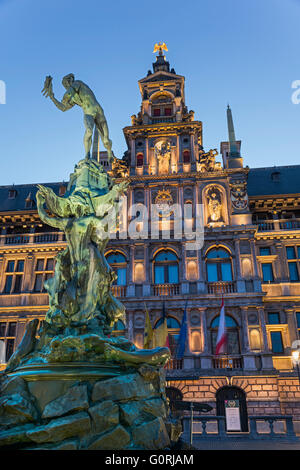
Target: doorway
<point>236,397</point>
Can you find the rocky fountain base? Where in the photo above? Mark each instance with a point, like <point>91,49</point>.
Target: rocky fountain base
<point>80,406</point>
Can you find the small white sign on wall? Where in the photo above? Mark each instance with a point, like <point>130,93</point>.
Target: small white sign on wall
<point>232,415</point>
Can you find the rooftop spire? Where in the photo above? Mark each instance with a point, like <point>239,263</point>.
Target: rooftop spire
<point>231,135</point>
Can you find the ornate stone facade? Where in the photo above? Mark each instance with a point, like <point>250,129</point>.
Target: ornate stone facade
<point>250,255</point>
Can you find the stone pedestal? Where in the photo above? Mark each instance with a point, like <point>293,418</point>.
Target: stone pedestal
<point>80,406</point>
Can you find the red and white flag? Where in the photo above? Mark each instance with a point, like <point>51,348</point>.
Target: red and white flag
<point>222,337</point>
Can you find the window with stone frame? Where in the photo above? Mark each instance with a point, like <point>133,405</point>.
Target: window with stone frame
<point>218,265</point>
<point>118,263</point>
<point>186,156</point>
<point>273,318</point>
<point>140,160</point>
<point>44,269</point>
<point>8,338</point>
<point>232,333</point>
<point>166,268</point>
<point>267,272</point>
<point>293,261</point>
<point>13,276</point>
<point>276,342</point>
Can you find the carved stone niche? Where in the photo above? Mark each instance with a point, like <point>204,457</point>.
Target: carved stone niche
<point>214,201</point>
<point>162,151</point>
<point>139,195</point>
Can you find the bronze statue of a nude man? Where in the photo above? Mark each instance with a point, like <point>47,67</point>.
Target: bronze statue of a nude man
<point>79,93</point>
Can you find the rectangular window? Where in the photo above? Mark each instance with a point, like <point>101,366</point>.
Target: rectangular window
<point>276,342</point>
<point>265,251</point>
<point>226,272</point>
<point>12,329</point>
<point>156,112</point>
<point>8,284</point>
<point>9,348</point>
<point>273,318</point>
<point>43,271</point>
<point>293,271</point>
<point>159,275</point>
<point>2,329</point>
<point>173,274</point>
<point>18,283</point>
<point>290,252</point>
<point>10,267</point>
<point>267,272</point>
<point>13,280</point>
<point>212,272</point>
<point>38,283</point>
<point>7,337</point>
<point>168,111</point>
<point>20,266</point>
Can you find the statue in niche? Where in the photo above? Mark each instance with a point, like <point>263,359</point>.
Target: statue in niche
<point>163,155</point>
<point>214,205</point>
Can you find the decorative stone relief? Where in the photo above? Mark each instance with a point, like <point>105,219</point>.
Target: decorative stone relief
<point>238,194</point>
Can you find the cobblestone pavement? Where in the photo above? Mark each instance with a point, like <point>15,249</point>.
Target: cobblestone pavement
<point>245,444</point>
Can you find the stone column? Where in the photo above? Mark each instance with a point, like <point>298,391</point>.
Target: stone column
<point>204,332</point>
<point>257,279</point>
<point>266,355</point>
<point>130,325</point>
<point>248,356</point>
<point>147,283</point>
<point>146,162</point>
<point>281,265</point>
<point>240,283</point>
<point>206,355</point>
<point>245,332</point>
<point>262,322</point>
<point>2,276</point>
<point>292,324</point>
<point>131,285</point>
<point>183,279</point>
<point>179,155</point>
<point>28,273</point>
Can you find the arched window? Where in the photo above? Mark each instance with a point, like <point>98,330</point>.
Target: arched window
<point>117,262</point>
<point>173,332</point>
<point>186,156</point>
<point>218,265</point>
<point>166,268</point>
<point>139,160</point>
<point>232,331</point>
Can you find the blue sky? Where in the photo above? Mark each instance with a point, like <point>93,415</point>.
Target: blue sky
<point>242,52</point>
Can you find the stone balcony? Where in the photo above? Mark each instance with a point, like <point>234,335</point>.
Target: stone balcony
<point>279,224</point>
<point>32,238</point>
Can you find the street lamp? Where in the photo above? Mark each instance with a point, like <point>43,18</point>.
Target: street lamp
<point>296,360</point>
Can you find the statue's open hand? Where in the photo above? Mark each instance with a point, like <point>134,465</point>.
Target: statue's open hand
<point>47,90</point>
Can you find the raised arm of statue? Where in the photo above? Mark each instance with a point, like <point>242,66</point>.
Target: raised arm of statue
<point>65,104</point>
